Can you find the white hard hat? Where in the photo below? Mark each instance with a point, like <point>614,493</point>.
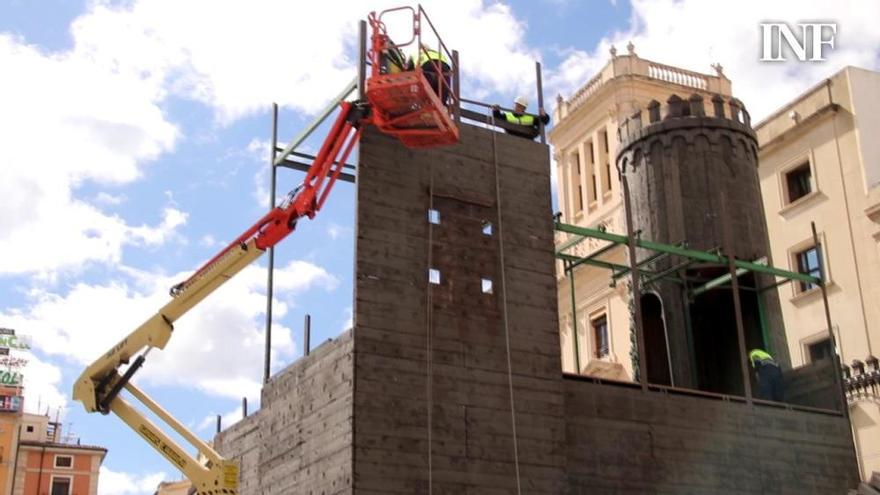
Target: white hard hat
<point>521,100</point>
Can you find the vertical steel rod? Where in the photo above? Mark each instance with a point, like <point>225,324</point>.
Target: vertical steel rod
<point>836,359</point>
<point>362,59</point>
<point>244,407</point>
<point>727,234</point>
<point>634,272</point>
<point>219,423</point>
<point>456,87</point>
<point>307,335</point>
<point>740,328</point>
<point>574,324</point>
<point>540,101</point>
<point>270,282</point>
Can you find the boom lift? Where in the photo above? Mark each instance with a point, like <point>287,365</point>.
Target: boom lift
<point>400,103</point>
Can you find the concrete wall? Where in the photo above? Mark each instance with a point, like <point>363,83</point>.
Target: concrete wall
<point>300,439</point>
<point>449,423</point>
<point>622,440</point>
<point>435,396</point>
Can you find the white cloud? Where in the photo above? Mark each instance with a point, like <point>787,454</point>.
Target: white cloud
<point>214,347</point>
<point>41,392</point>
<point>208,241</point>
<point>110,199</point>
<point>227,419</point>
<point>349,320</point>
<point>70,121</point>
<point>694,34</point>
<point>119,483</point>
<point>296,54</point>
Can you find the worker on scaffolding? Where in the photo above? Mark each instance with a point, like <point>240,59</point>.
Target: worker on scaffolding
<point>769,375</point>
<point>525,125</point>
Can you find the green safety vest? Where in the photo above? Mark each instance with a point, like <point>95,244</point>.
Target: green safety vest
<point>426,56</point>
<point>757,355</point>
<point>524,119</point>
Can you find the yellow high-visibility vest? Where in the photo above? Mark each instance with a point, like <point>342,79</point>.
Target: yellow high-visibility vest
<point>757,355</point>
<point>524,119</point>
<point>426,56</point>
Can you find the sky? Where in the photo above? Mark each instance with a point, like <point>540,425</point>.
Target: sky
<point>134,140</point>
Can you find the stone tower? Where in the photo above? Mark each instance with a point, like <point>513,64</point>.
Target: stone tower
<point>693,180</point>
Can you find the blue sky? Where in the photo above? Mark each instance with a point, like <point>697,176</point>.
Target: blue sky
<point>135,144</point>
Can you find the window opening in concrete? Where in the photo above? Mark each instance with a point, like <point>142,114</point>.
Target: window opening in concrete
<point>30,428</point>
<point>600,336</point>
<point>798,182</point>
<point>433,216</point>
<point>808,263</point>
<point>434,276</point>
<point>656,341</point>
<point>486,285</point>
<point>63,461</point>
<point>487,228</point>
<point>819,350</point>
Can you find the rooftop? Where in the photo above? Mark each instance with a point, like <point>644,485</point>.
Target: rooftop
<point>631,66</point>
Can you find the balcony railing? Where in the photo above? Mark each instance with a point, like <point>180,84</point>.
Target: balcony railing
<point>633,66</point>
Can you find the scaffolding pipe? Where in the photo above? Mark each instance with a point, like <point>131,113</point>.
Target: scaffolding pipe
<point>362,60</point>
<point>540,102</point>
<point>307,334</point>
<point>270,282</point>
<point>574,327</point>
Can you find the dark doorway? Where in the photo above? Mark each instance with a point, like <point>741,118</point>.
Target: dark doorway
<point>716,346</point>
<point>656,348</point>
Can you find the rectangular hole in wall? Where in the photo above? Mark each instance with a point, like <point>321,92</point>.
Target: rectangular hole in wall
<point>433,216</point>
<point>486,285</point>
<point>434,276</point>
<point>487,228</point>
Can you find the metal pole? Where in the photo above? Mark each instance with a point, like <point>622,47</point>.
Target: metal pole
<point>456,87</point>
<point>574,320</point>
<point>270,282</point>
<point>307,334</point>
<point>540,101</point>
<point>740,328</point>
<point>836,359</point>
<point>244,407</point>
<point>635,280</point>
<point>219,423</point>
<point>362,59</point>
<point>737,305</point>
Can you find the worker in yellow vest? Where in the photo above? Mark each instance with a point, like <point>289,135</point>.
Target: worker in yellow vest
<point>433,63</point>
<point>769,375</point>
<point>524,125</point>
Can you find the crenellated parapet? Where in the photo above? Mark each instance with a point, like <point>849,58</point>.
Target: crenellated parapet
<point>688,118</point>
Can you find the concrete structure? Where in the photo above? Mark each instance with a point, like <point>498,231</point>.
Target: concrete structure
<point>820,161</point>
<point>451,382</point>
<point>585,144</point>
<point>47,463</point>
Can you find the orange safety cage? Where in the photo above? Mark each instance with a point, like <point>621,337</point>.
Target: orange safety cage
<point>404,103</point>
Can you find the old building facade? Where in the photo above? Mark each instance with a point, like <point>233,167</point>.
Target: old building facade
<point>820,162</point>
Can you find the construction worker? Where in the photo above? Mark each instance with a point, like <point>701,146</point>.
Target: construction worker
<point>526,124</point>
<point>431,61</point>
<point>769,375</point>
